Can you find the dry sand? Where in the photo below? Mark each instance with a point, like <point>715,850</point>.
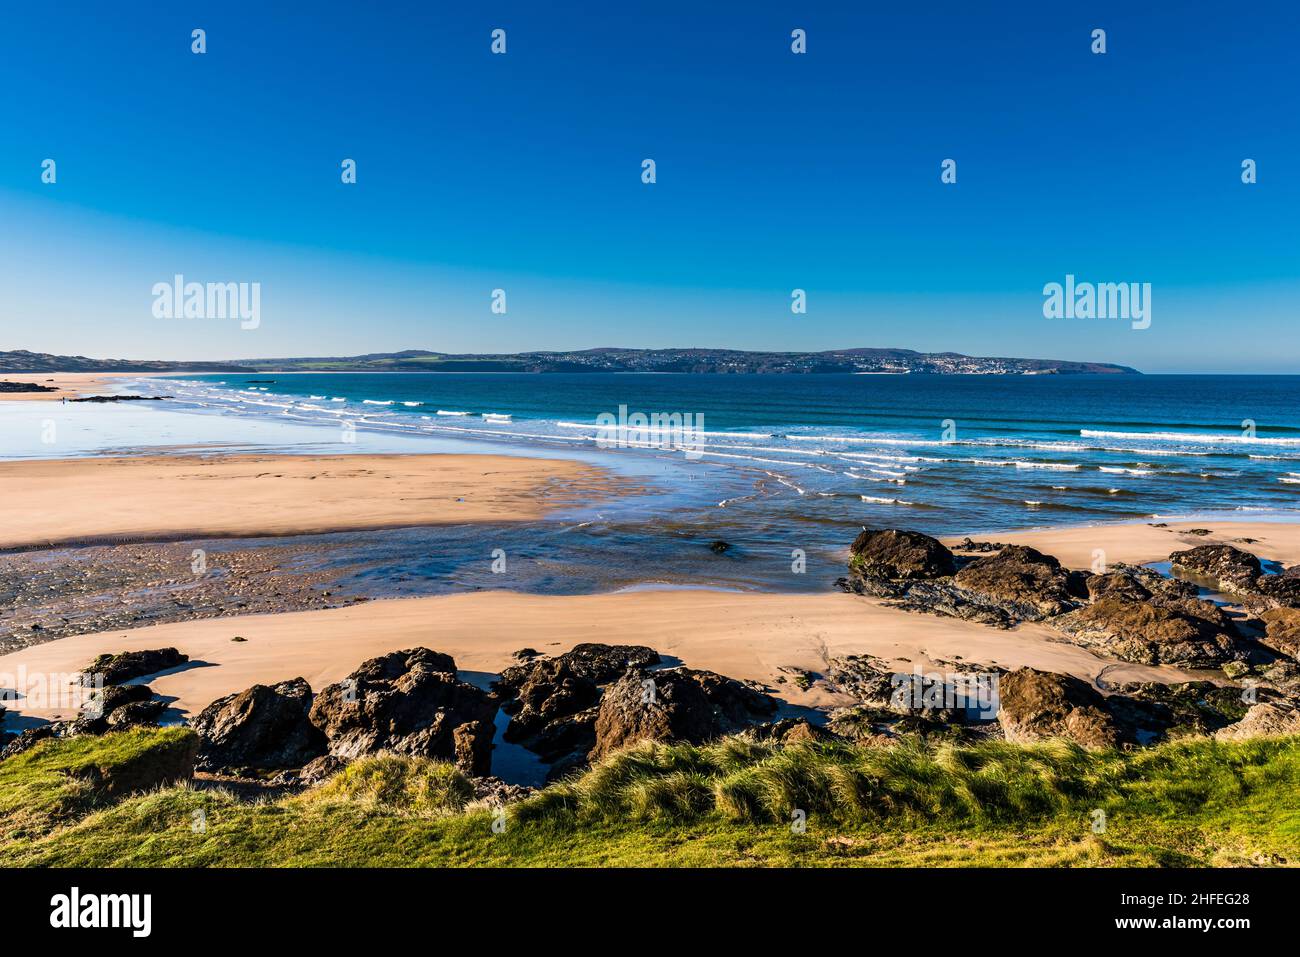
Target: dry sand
<point>742,635</point>
<point>178,497</point>
<point>68,384</point>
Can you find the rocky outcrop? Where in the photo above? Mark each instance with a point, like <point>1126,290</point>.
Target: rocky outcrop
<point>1282,591</point>
<point>412,703</point>
<point>1037,705</point>
<point>675,704</point>
<point>896,554</point>
<point>1181,631</point>
<point>115,669</point>
<point>789,731</point>
<point>917,573</point>
<point>1267,719</point>
<point>552,702</point>
<point>1150,711</point>
<point>1232,568</point>
<point>264,727</point>
<point>1282,630</point>
<point>1028,584</point>
<point>116,707</point>
<point>598,663</point>
<point>28,738</point>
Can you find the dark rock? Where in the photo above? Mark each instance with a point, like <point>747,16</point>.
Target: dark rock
<point>862,677</point>
<point>1282,630</point>
<point>30,737</point>
<point>946,698</point>
<point>675,704</point>
<point>263,727</point>
<point>967,545</point>
<point>1027,583</point>
<point>498,793</point>
<point>136,714</point>
<point>792,731</point>
<point>718,548</point>
<point>1151,711</point>
<point>1184,631</point>
<point>553,701</point>
<point>551,689</point>
<point>412,703</point>
<point>319,769</point>
<point>1037,705</point>
<point>1117,585</point>
<point>95,714</point>
<point>595,662</point>
<point>1281,590</point>
<point>897,554</point>
<point>937,597</point>
<point>127,665</point>
<point>1232,568</point>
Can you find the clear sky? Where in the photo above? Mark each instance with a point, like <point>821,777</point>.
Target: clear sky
<point>775,171</point>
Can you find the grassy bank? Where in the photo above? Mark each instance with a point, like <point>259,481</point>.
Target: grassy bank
<point>731,803</point>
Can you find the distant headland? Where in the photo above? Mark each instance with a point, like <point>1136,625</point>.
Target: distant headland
<point>696,361</point>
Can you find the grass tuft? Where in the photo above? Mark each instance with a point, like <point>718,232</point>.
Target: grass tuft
<point>401,784</point>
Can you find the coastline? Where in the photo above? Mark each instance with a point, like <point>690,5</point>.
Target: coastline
<point>754,635</point>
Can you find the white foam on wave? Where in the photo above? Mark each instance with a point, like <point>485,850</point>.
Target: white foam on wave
<point>1205,438</point>
<point>865,440</point>
<point>377,401</point>
<point>1022,464</point>
<point>671,430</point>
<point>1116,470</point>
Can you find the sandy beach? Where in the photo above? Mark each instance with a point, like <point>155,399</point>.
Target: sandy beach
<point>748,635</point>
<point>67,384</point>
<point>741,635</point>
<point>177,497</point>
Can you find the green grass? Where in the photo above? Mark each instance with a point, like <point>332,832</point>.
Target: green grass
<point>731,803</point>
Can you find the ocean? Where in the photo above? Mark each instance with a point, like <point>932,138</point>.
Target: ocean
<point>784,469</point>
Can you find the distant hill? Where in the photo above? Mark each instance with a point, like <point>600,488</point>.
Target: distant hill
<point>701,361</point>
<point>20,360</point>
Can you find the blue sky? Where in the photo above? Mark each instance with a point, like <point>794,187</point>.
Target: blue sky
<point>775,171</point>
